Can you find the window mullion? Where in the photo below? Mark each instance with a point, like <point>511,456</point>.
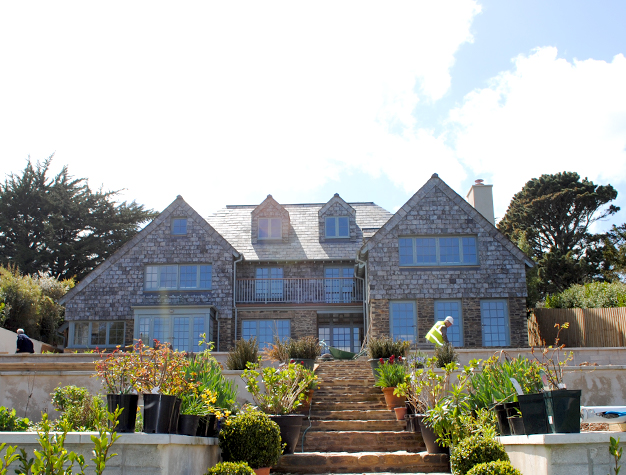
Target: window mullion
<point>414,245</point>
<point>461,250</point>
<point>437,252</point>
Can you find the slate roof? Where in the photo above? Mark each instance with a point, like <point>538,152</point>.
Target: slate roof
<point>234,224</point>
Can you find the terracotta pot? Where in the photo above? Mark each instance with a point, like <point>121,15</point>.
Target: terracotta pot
<point>262,471</point>
<point>391,400</point>
<point>306,405</point>
<point>400,412</point>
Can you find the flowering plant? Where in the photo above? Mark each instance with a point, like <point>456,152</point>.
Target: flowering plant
<point>391,373</point>
<point>116,371</point>
<point>424,387</point>
<point>284,387</point>
<point>159,370</point>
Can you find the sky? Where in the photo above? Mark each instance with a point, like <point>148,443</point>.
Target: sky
<point>227,102</point>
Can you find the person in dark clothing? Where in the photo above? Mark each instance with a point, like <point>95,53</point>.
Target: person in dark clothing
<point>24,344</point>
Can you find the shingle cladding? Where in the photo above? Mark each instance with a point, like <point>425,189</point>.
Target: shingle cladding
<point>110,291</point>
<point>235,224</point>
<point>500,273</point>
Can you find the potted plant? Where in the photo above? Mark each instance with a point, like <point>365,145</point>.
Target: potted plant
<point>390,374</point>
<point>160,376</point>
<point>116,371</point>
<point>304,351</point>
<point>427,387</point>
<point>384,347</point>
<point>284,392</point>
<point>251,437</point>
<point>204,375</point>
<point>562,404</point>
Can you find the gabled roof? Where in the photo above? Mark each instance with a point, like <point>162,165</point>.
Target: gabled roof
<point>436,182</point>
<point>336,199</point>
<point>234,223</point>
<point>270,205</point>
<point>141,235</point>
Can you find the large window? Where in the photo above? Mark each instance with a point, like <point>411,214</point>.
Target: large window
<point>269,284</point>
<point>178,277</point>
<point>494,316</point>
<point>270,228</point>
<point>403,321</point>
<point>100,334</point>
<point>339,284</point>
<point>452,308</point>
<point>265,330</point>
<point>337,227</point>
<point>438,251</point>
<point>182,331</point>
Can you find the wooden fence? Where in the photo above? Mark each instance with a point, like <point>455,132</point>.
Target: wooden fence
<point>588,327</point>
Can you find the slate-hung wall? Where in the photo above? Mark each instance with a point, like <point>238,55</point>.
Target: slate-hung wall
<point>498,276</point>
<point>111,292</point>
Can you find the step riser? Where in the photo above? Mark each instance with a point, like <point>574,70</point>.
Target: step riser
<point>356,441</point>
<point>377,415</point>
<point>394,462</point>
<point>351,425</point>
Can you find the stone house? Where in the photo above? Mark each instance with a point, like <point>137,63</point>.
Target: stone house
<point>335,270</point>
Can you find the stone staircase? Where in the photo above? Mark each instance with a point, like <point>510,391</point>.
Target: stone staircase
<point>351,430</point>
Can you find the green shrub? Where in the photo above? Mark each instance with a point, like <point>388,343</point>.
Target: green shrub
<point>9,422</point>
<point>305,348</point>
<point>79,407</point>
<point>593,295</point>
<point>385,347</point>
<point>494,468</point>
<point>445,355</point>
<point>475,450</point>
<point>230,468</point>
<point>244,352</point>
<point>251,437</point>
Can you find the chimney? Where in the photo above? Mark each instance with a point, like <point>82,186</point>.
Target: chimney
<point>480,196</point>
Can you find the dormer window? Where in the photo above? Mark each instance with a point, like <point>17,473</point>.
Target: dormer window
<point>270,228</point>
<point>338,227</point>
<point>179,226</point>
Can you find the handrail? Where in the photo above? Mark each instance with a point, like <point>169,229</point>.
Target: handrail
<point>300,290</point>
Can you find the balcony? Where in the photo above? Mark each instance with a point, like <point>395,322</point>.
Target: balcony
<point>323,290</point>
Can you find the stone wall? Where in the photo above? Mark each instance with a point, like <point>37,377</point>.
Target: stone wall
<point>112,294</point>
<point>499,274</point>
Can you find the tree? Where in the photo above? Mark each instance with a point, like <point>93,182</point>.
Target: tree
<point>552,215</point>
<point>58,226</point>
<point>615,252</point>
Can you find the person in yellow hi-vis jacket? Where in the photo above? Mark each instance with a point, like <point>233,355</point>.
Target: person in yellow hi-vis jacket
<point>438,334</point>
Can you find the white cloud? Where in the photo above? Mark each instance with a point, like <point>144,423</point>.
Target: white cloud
<point>546,115</point>
<point>219,101</point>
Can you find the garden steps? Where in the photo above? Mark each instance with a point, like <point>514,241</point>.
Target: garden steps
<point>348,414</point>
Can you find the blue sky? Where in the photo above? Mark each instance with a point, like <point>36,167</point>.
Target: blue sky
<point>226,103</point>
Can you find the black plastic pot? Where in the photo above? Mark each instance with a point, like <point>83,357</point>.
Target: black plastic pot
<point>306,362</point>
<point>157,413</point>
<point>290,425</point>
<point>412,422</point>
<point>187,424</point>
<point>175,415</point>
<point>534,414</point>
<point>207,427</point>
<point>563,410</point>
<point>516,423</point>
<point>430,439</point>
<point>503,422</point>
<point>409,408</point>
<point>128,404</point>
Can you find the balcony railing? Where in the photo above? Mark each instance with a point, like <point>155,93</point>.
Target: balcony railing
<point>328,290</point>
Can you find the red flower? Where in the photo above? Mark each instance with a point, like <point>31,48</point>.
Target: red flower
<point>292,361</point>
<point>399,358</point>
<point>382,361</point>
<point>302,363</point>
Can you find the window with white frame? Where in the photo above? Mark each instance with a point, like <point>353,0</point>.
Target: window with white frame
<point>403,321</point>
<point>270,228</point>
<point>494,316</point>
<point>438,251</point>
<point>178,277</point>
<point>337,227</point>
<point>101,334</point>
<point>452,308</point>
<point>182,330</point>
<point>265,331</point>
<point>179,226</point>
